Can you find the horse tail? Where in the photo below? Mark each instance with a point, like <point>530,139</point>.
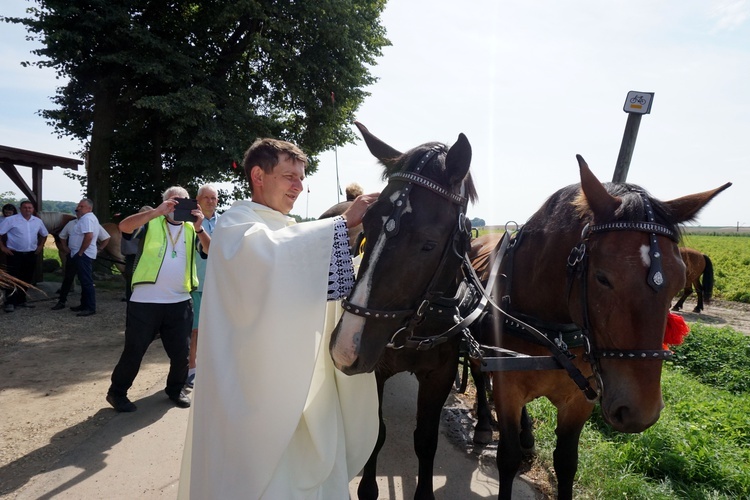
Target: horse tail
<point>708,280</point>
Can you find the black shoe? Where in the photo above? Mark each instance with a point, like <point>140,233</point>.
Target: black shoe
<point>58,306</point>
<point>76,308</point>
<point>121,403</point>
<point>181,400</point>
<point>86,312</point>
<point>27,305</point>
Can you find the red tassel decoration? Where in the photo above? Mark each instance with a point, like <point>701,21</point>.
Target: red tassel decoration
<point>676,331</point>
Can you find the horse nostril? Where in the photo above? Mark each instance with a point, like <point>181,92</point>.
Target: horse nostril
<point>620,415</point>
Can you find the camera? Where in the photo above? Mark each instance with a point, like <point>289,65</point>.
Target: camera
<point>183,208</point>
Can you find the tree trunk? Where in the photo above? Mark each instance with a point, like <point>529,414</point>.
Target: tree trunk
<point>100,150</point>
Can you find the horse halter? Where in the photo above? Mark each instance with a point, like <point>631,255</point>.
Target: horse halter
<point>456,246</point>
<point>578,264</point>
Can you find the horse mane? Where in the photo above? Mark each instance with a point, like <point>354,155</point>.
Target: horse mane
<point>569,207</point>
<point>435,169</point>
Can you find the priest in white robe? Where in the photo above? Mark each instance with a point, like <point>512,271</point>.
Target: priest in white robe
<point>272,418</point>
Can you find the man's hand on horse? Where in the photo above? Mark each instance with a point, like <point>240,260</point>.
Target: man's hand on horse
<point>356,211</point>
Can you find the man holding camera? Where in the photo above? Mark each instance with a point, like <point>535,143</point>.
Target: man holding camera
<point>160,303</point>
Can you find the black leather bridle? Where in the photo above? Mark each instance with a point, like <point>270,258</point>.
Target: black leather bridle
<point>578,265</point>
<point>433,302</point>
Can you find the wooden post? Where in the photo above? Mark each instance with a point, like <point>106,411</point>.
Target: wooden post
<point>636,105</point>
<point>626,148</point>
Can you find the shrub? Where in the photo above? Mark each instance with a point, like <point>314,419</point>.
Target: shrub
<point>719,357</point>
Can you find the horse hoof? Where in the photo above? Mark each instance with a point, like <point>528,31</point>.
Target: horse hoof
<point>675,308</point>
<point>696,310</point>
<point>482,437</point>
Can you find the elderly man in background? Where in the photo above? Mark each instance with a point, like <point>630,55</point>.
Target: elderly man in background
<point>208,200</point>
<point>160,304</point>
<point>25,235</point>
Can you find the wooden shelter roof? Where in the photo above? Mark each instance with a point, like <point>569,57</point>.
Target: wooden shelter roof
<point>10,158</point>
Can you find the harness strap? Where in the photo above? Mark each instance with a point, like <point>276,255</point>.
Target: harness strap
<point>559,352</point>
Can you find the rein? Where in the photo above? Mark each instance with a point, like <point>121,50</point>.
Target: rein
<point>433,302</point>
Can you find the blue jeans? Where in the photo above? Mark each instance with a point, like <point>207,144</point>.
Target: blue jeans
<point>68,277</point>
<point>85,272</point>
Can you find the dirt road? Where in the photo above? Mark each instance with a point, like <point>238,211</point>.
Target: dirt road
<point>56,369</point>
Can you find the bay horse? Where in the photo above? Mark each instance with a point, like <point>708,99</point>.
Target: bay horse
<point>54,222</point>
<point>586,283</point>
<point>111,252</point>
<point>416,237</point>
<point>697,264</point>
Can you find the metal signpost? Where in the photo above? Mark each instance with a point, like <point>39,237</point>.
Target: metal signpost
<point>636,105</point>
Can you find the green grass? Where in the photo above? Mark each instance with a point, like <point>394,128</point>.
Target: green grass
<point>730,255</point>
<point>699,448</point>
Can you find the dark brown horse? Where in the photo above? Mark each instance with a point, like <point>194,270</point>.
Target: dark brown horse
<point>416,236</point>
<point>586,284</point>
<point>697,264</point>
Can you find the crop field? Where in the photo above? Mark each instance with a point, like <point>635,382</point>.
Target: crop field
<point>730,255</point>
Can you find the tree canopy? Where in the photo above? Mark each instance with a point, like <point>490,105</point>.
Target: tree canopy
<point>167,93</point>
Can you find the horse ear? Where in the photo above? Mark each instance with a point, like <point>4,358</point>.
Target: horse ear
<point>458,159</point>
<point>599,200</point>
<point>378,148</point>
<point>686,208</point>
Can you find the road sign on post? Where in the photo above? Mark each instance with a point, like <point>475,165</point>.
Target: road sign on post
<point>636,105</point>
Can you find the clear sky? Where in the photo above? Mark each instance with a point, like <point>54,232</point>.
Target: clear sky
<point>530,83</point>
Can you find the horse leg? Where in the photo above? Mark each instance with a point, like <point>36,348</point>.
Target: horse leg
<point>570,420</point>
<point>508,407</point>
<point>434,388</point>
<point>680,302</point>
<point>699,293</point>
<point>368,484</point>
<point>483,428</point>
<point>527,433</point>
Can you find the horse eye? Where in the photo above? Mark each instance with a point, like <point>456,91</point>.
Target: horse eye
<point>603,280</point>
<point>430,245</point>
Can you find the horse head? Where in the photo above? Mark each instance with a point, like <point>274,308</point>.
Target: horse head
<point>415,236</point>
<point>623,271</point>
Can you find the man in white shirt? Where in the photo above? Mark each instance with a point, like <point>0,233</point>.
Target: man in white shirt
<point>82,244</point>
<point>102,239</point>
<point>26,235</point>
